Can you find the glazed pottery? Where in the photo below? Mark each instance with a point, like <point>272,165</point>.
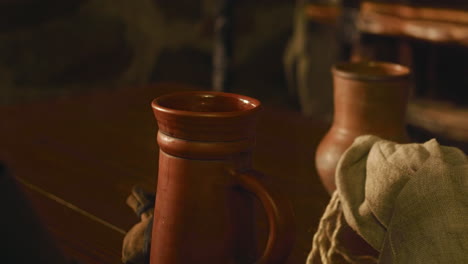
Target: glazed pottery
<point>203,212</point>
<point>369,98</point>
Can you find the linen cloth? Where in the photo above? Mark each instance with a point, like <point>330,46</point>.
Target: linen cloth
<point>408,201</point>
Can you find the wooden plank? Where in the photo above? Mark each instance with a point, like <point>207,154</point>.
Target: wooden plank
<point>440,118</point>
<point>323,13</point>
<point>417,12</point>
<point>429,24</point>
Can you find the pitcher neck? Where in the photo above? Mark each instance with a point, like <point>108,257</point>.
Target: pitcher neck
<point>370,112</point>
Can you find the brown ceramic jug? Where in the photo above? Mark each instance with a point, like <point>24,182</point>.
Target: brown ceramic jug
<point>369,98</point>
<point>203,212</point>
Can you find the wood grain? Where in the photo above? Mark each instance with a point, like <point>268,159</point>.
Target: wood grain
<point>430,24</point>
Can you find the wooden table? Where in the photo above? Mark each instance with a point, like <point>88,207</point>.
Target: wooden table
<point>78,158</point>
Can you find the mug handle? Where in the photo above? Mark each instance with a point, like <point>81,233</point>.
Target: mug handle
<point>280,216</point>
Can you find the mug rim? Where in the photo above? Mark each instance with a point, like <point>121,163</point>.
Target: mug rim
<point>156,105</point>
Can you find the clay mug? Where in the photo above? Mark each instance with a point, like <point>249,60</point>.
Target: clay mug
<point>203,212</point>
<point>369,98</point>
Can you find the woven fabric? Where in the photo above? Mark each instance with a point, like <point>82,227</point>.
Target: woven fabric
<point>408,201</point>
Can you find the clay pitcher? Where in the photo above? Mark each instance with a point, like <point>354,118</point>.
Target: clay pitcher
<point>203,212</point>
<point>369,98</point>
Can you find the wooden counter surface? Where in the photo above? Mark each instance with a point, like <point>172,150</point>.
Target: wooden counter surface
<point>78,158</point>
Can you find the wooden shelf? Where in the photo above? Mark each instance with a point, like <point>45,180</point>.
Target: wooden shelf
<point>437,25</point>
<point>441,118</point>
<point>320,13</point>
